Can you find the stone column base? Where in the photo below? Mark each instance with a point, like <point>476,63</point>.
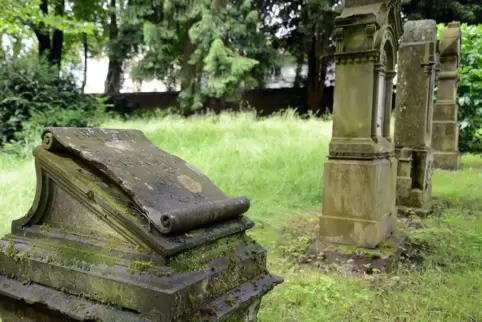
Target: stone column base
<point>356,232</point>
<point>414,185</point>
<point>420,212</point>
<point>415,201</point>
<point>359,201</point>
<point>446,160</point>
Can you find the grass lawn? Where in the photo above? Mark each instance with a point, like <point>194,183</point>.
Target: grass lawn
<point>278,164</point>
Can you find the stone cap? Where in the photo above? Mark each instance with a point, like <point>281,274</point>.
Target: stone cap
<point>370,11</point>
<point>174,195</point>
<point>364,12</point>
<point>454,24</point>
<point>420,31</point>
<point>119,181</point>
<point>450,40</point>
<point>358,3</point>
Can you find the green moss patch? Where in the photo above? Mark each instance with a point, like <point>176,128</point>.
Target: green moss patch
<point>11,250</point>
<point>139,267</point>
<point>198,259</point>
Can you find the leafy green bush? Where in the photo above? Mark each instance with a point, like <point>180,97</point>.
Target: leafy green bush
<point>470,90</point>
<point>33,96</point>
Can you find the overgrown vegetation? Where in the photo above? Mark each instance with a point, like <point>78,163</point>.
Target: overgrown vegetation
<point>33,96</point>
<point>278,163</point>
<point>206,47</point>
<point>470,90</point>
<point>212,49</point>
<point>467,11</point>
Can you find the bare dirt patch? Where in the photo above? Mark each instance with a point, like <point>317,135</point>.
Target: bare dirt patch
<point>300,244</point>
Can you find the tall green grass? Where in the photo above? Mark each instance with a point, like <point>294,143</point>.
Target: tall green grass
<point>278,163</point>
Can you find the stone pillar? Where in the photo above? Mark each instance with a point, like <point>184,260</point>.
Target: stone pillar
<point>360,174</point>
<point>414,113</point>
<point>445,134</point>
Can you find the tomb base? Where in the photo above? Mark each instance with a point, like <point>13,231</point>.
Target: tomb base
<point>359,201</point>
<point>414,181</point>
<point>415,201</point>
<point>445,145</point>
<point>408,211</point>
<point>128,236</point>
<point>358,260</point>
<point>447,160</point>
<point>30,302</point>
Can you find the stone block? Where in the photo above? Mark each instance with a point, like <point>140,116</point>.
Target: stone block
<point>358,207</point>
<point>122,231</point>
<point>447,160</point>
<point>445,136</point>
<point>445,111</point>
<point>404,185</point>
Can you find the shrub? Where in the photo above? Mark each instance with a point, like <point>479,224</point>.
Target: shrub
<point>33,96</point>
<point>470,90</point>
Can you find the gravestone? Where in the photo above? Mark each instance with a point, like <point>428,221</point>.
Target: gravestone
<point>122,231</point>
<point>445,133</point>
<point>414,113</point>
<point>360,174</point>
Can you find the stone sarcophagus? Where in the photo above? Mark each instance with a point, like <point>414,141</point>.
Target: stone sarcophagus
<point>414,113</point>
<point>122,231</point>
<point>360,174</point>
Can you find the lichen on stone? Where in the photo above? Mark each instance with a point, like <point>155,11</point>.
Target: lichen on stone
<point>11,250</point>
<point>198,259</point>
<point>230,300</point>
<point>45,228</point>
<point>139,267</point>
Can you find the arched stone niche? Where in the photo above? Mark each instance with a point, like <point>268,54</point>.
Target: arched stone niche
<point>366,35</point>
<point>384,74</point>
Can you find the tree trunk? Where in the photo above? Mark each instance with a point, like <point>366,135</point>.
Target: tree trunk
<point>58,37</point>
<point>318,59</point>
<point>188,71</point>
<point>189,77</point>
<point>299,67</point>
<point>3,53</point>
<point>315,84</point>
<point>86,51</point>
<point>17,46</point>
<point>42,34</point>
<point>114,72</point>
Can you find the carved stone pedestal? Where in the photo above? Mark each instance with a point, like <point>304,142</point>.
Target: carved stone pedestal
<point>122,231</point>
<point>359,177</point>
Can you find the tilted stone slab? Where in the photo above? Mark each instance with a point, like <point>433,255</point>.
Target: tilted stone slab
<point>118,222</point>
<point>414,114</point>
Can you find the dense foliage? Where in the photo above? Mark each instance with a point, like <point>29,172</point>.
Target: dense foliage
<point>303,29</point>
<point>444,11</point>
<point>470,90</point>
<point>210,48</point>
<point>33,96</point>
<point>207,47</point>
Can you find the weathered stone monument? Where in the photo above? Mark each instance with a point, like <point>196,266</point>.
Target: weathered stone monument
<point>360,174</point>
<point>413,115</point>
<point>445,133</point>
<point>122,231</point>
